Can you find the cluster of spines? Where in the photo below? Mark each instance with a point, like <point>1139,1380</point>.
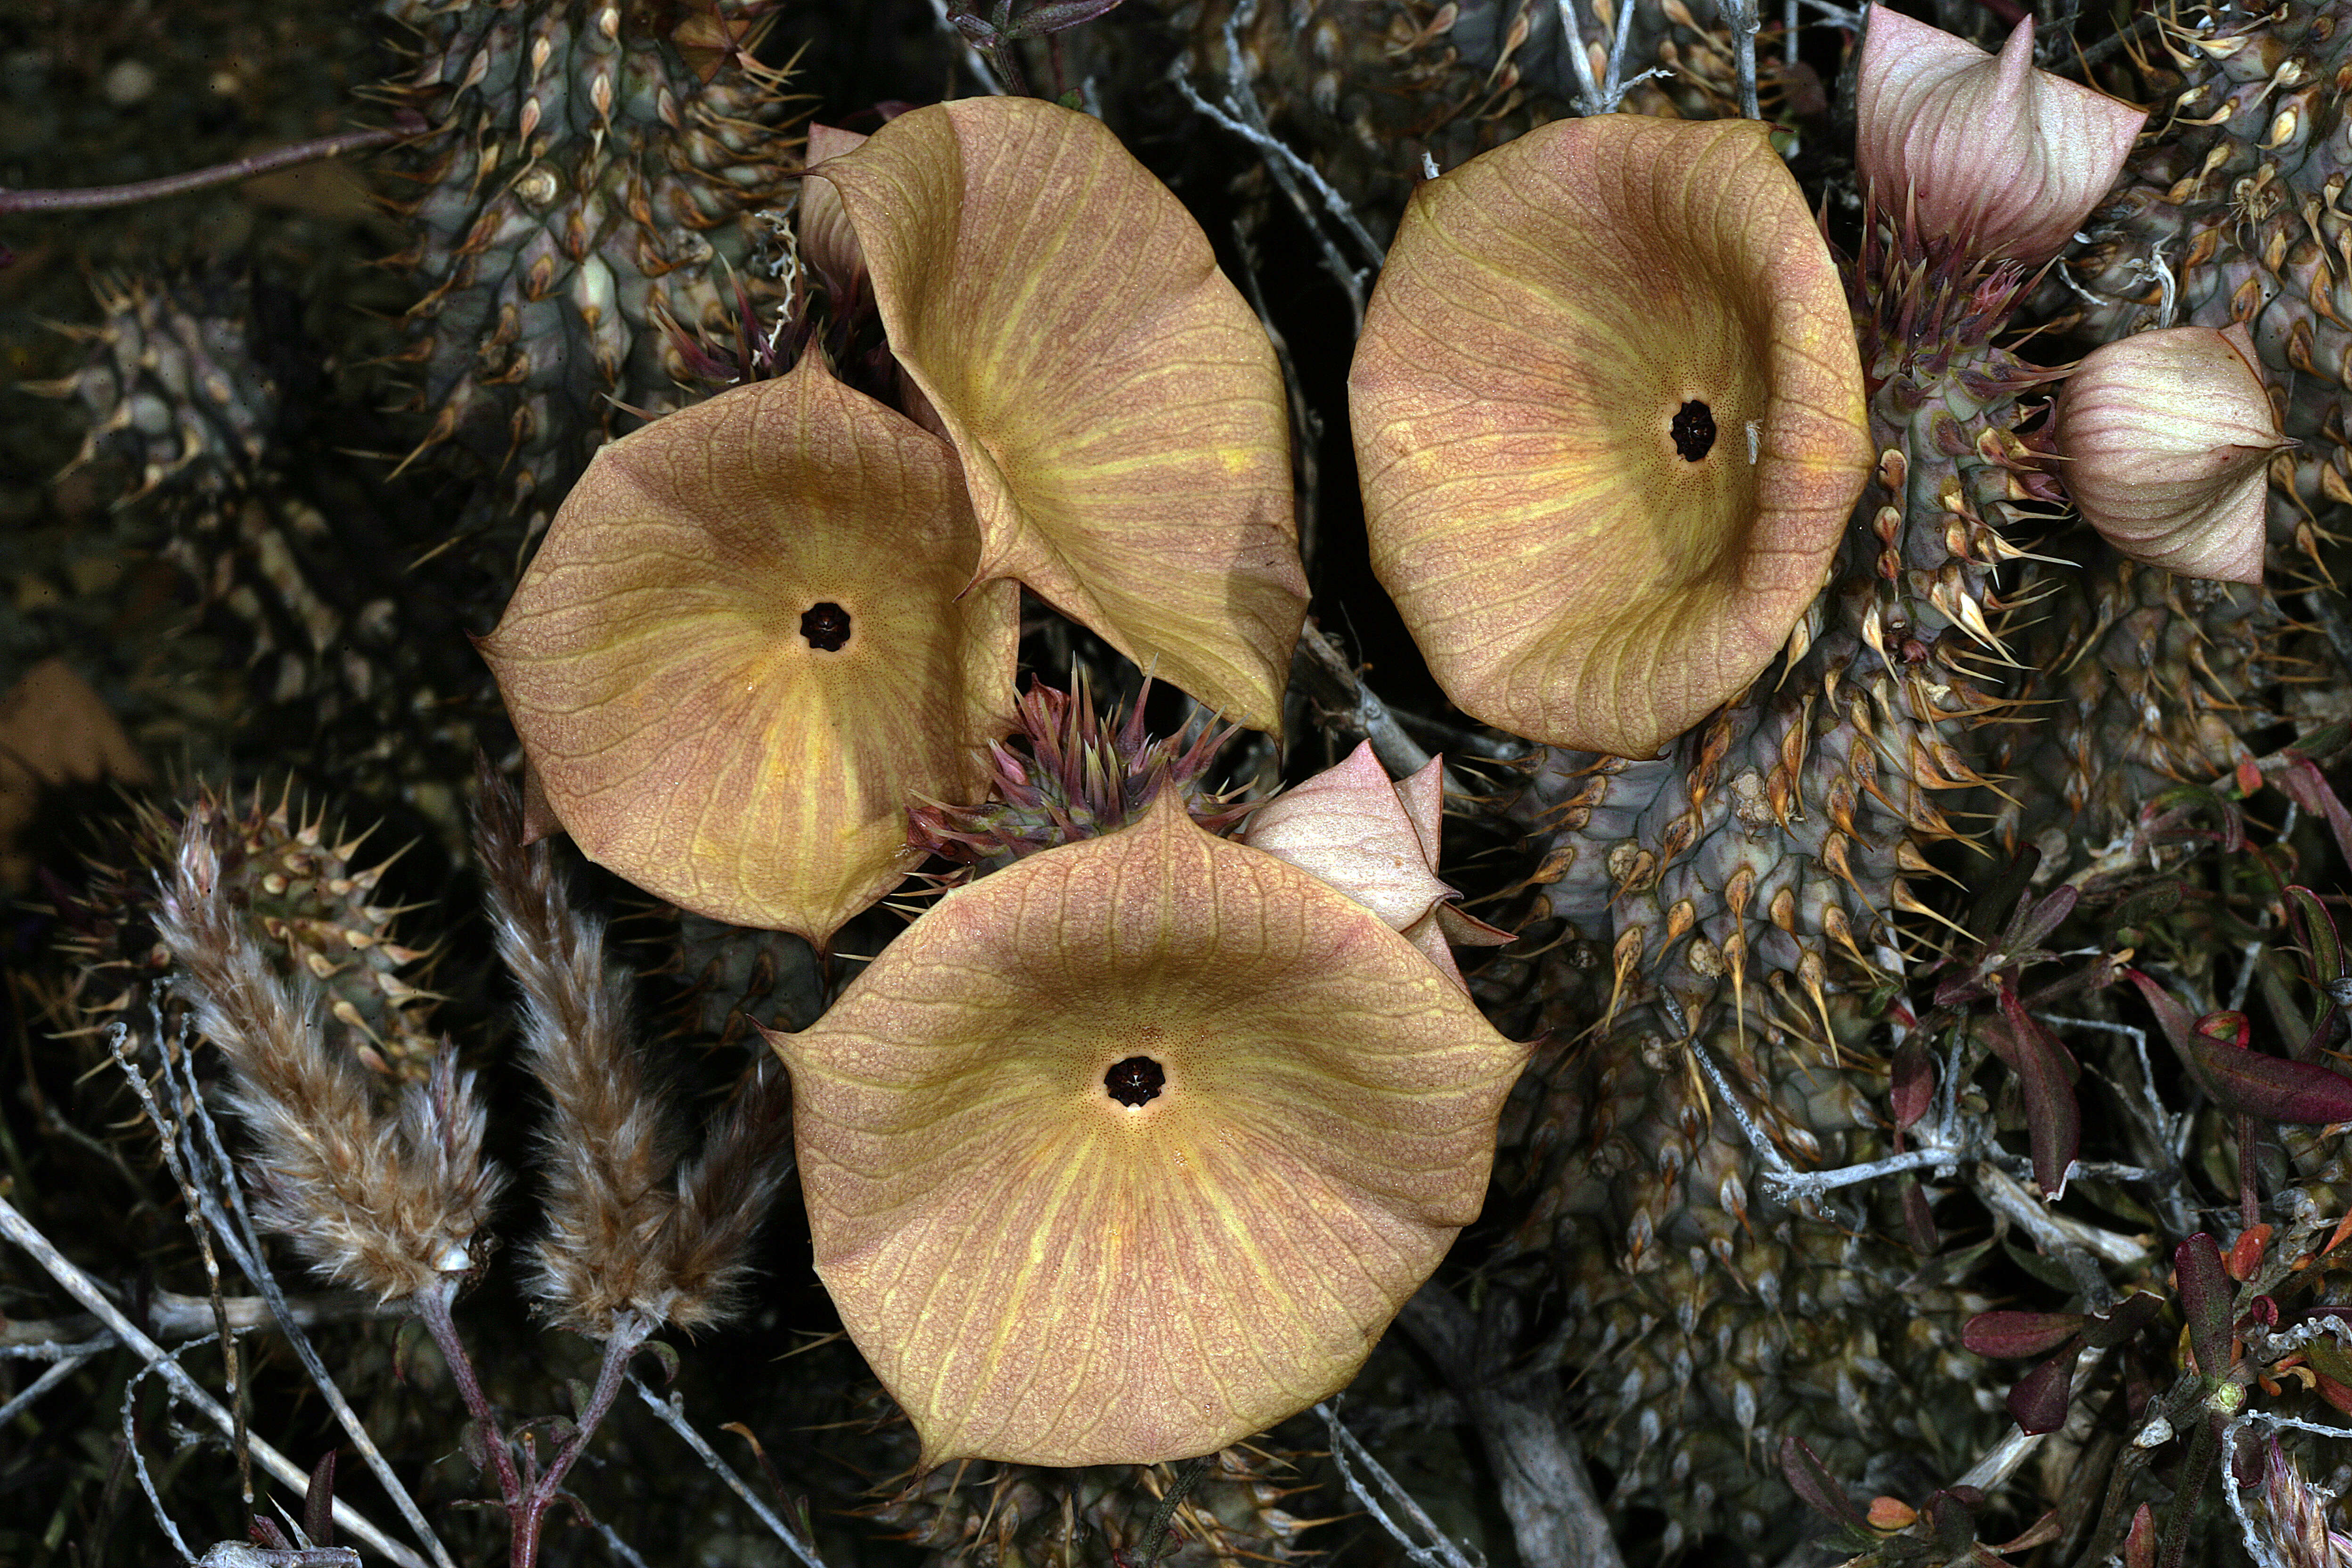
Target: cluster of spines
<point>585,182</point>
<point>310,908</point>
<point>1077,774</point>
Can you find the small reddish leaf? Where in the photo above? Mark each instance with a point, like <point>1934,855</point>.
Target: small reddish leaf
<point>2253,1084</point>
<point>2139,1544</point>
<point>2046,915</point>
<point>2045,1528</point>
<point>2038,1401</point>
<point>1951,1516</point>
<point>1817,1488</point>
<point>2206,1300</point>
<point>2315,930</point>
<point>2246,1081</point>
<point>2054,1120</point>
<point>2246,1252</point>
<point>1911,1081</point>
<point>1891,1514</point>
<point>2121,1321</point>
<point>1919,1221</point>
<point>318,1502</point>
<point>2302,782</point>
<point>1997,900</point>
<point>2229,1029</point>
<point>2170,1015</point>
<point>2009,1335</point>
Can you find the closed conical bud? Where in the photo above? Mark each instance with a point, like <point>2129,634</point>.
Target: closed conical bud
<point>1982,149</point>
<point>2169,437</point>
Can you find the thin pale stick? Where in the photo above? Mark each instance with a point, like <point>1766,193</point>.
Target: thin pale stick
<point>672,1412</point>
<point>244,1241</point>
<point>20,1230</point>
<point>91,197</point>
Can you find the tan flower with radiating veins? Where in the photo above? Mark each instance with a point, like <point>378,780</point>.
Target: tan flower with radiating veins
<point>1608,423</point>
<point>746,644</point>
<point>1133,1148</point>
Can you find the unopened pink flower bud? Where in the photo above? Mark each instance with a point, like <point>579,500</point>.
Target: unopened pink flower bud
<point>2168,436</point>
<point>1982,149</point>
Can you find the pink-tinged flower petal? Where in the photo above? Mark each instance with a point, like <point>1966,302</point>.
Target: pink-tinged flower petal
<point>1348,825</point>
<point>1422,792</point>
<point>1608,423</point>
<point>1044,1263</point>
<point>2169,437</point>
<point>1116,405</point>
<point>828,243</point>
<point>745,649</point>
<point>1982,149</point>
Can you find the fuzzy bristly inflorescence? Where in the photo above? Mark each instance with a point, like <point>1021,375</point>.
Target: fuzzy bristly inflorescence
<point>1084,775</point>
<point>629,1234</point>
<point>299,892</point>
<point>389,1204</point>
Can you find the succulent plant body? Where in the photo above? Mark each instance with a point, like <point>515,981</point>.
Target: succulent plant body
<point>579,181</point>
<point>1028,1516</point>
<point>203,386</point>
<point>310,905</point>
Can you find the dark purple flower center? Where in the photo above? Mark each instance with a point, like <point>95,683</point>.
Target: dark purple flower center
<point>1134,1081</point>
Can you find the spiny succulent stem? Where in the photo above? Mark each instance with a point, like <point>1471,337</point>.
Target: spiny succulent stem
<point>88,198</point>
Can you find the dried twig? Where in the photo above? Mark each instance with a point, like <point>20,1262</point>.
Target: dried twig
<point>20,1230</point>
<point>173,1316</point>
<point>94,196</point>
<point>1556,1520</point>
<point>672,1412</point>
<point>1293,175</point>
<point>1426,1544</point>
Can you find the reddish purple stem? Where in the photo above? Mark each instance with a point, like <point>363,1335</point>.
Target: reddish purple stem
<point>94,196</point>
<point>528,1491</point>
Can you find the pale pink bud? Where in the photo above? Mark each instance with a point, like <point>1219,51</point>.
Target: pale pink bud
<point>2168,436</point>
<point>1986,151</point>
<point>1376,842</point>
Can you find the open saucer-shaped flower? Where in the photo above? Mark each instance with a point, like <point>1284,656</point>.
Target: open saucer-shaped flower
<point>2168,436</point>
<point>740,652</point>
<point>1608,423</point>
<point>1132,1149</point>
<point>1116,405</point>
<point>1984,151</point>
